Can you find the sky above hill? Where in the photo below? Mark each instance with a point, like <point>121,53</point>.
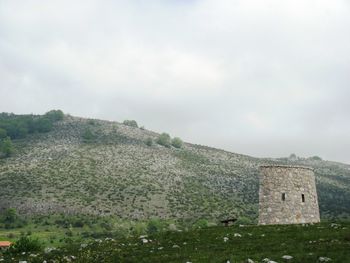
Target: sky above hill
<point>264,78</point>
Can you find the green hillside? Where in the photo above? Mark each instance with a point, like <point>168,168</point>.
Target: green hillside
<point>77,165</point>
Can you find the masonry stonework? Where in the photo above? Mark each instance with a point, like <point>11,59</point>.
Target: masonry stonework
<point>287,195</point>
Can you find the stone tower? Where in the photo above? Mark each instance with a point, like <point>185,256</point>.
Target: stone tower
<point>287,195</point>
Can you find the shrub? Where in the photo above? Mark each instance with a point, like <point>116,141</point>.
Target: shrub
<point>154,226</point>
<point>164,139</point>
<point>176,142</point>
<point>88,136</point>
<point>54,115</point>
<point>3,133</point>
<point>242,220</point>
<point>316,158</point>
<point>293,156</point>
<point>43,125</point>
<point>25,244</point>
<point>92,122</point>
<point>201,223</point>
<point>10,215</point>
<point>131,123</point>
<point>6,147</point>
<point>149,142</point>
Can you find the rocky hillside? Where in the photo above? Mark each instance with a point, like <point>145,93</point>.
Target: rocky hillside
<point>114,171</point>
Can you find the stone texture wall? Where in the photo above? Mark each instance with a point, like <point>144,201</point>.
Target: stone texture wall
<point>291,182</point>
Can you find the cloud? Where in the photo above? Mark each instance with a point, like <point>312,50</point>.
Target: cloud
<point>262,78</point>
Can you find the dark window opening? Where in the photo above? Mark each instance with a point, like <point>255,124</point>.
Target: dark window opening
<point>303,198</point>
<point>283,196</point>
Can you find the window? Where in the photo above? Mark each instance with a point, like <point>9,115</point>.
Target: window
<point>303,198</point>
<point>283,196</point>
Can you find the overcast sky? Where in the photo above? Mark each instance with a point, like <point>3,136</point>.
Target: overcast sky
<point>264,78</point>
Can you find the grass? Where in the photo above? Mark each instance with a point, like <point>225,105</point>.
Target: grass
<point>305,243</point>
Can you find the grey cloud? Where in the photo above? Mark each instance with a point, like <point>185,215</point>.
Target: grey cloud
<point>261,78</point>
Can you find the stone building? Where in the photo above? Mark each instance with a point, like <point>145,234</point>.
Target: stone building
<point>287,195</point>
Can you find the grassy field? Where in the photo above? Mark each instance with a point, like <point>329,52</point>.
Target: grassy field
<point>304,243</point>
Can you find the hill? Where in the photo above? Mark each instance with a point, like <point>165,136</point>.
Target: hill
<point>108,168</point>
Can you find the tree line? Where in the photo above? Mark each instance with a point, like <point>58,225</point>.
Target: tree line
<point>14,126</point>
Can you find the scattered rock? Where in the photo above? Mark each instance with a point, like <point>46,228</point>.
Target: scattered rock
<point>225,239</point>
<point>267,260</point>
<point>250,260</point>
<point>324,259</point>
<point>237,235</point>
<point>176,246</point>
<point>287,257</point>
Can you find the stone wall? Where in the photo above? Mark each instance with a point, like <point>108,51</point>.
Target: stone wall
<point>287,195</point>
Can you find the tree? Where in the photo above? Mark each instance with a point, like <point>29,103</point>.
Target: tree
<point>164,139</point>
<point>131,123</point>
<point>316,158</point>
<point>88,136</point>
<point>54,115</point>
<point>154,225</point>
<point>3,133</point>
<point>43,125</point>
<point>25,244</point>
<point>176,142</point>
<point>6,147</point>
<point>293,156</point>
<point>10,215</point>
<point>149,141</point>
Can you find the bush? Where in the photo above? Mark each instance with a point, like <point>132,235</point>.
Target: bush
<point>154,226</point>
<point>316,158</point>
<point>6,147</point>
<point>164,139</point>
<point>176,142</point>
<point>293,156</point>
<point>3,133</point>
<point>131,123</point>
<point>149,142</point>
<point>88,136</point>
<point>242,220</point>
<point>43,125</point>
<point>10,215</point>
<point>54,115</point>
<point>25,244</point>
<point>201,223</point>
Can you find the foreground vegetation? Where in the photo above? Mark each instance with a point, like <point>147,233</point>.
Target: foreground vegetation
<point>292,243</point>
